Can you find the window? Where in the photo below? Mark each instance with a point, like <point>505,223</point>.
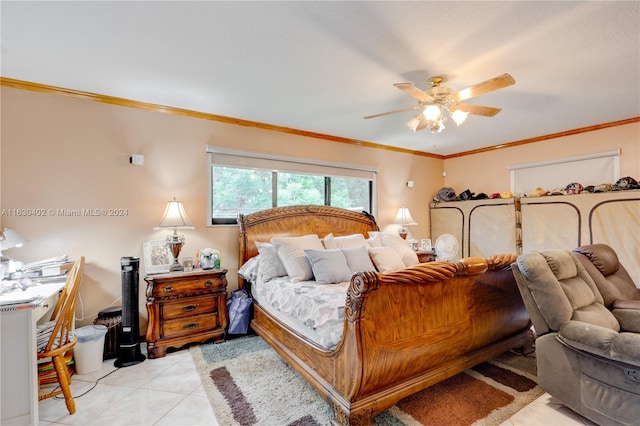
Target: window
<point>245,182</point>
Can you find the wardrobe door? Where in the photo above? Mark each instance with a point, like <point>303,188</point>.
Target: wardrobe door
<point>492,230</point>
<point>552,225</point>
<point>617,224</point>
<point>448,220</point>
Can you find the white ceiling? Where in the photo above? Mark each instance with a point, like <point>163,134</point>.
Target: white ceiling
<point>322,66</point>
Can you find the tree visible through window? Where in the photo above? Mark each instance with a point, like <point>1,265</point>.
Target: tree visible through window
<point>237,190</point>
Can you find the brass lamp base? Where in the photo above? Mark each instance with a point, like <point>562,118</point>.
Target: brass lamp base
<point>403,232</point>
<point>175,243</point>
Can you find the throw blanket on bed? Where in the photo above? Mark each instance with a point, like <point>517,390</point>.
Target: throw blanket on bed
<point>318,307</point>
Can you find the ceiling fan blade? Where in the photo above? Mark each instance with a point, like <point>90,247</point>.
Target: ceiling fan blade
<point>422,124</point>
<point>393,112</point>
<point>477,109</point>
<point>414,91</point>
<point>417,123</point>
<point>495,83</point>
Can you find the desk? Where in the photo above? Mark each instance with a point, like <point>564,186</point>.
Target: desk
<point>19,379</point>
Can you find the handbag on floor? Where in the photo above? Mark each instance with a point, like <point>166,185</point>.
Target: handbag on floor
<point>239,308</point>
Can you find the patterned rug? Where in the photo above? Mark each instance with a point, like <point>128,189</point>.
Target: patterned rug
<point>249,384</point>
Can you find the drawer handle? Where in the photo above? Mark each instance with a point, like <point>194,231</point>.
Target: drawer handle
<point>189,308</point>
<point>208,283</point>
<point>190,325</point>
<point>168,289</point>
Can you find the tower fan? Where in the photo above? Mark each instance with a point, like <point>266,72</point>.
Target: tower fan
<point>129,350</point>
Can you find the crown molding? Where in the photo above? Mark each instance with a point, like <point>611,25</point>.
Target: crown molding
<point>547,137</point>
<point>43,88</point>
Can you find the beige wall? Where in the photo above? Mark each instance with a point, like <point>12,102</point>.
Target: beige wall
<point>58,152</point>
<point>488,172</point>
<point>65,153</point>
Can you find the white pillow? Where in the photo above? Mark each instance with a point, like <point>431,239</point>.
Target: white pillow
<point>408,256</point>
<point>270,264</point>
<point>358,259</point>
<point>354,240</point>
<point>329,266</point>
<point>291,253</point>
<point>249,271</point>
<point>386,259</point>
<point>374,239</point>
<point>328,242</point>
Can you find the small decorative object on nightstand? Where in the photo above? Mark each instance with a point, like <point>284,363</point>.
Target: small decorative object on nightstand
<point>426,256</point>
<point>209,258</point>
<point>185,307</point>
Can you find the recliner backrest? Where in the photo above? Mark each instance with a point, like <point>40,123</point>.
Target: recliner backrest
<point>561,290</point>
<point>610,276</point>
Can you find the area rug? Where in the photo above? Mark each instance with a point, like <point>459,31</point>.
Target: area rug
<point>248,384</point>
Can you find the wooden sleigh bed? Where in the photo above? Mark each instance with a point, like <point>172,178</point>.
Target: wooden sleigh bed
<point>403,330</point>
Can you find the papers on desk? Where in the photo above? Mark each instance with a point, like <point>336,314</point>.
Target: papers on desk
<point>50,266</point>
<point>30,287</point>
<point>16,297</point>
<point>46,270</point>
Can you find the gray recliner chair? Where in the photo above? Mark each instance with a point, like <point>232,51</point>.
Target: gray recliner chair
<point>584,358</point>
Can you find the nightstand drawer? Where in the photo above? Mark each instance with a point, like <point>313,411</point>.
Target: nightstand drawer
<point>190,307</point>
<point>185,308</point>
<point>172,288</point>
<point>189,326</point>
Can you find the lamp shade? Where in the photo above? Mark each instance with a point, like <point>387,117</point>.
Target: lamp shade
<point>10,238</point>
<point>175,216</point>
<point>404,217</point>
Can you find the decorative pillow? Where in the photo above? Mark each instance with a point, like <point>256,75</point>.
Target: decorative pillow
<point>408,256</point>
<point>358,259</point>
<point>328,242</point>
<point>354,240</point>
<point>291,253</point>
<point>374,239</point>
<point>329,266</point>
<point>249,271</point>
<point>270,264</point>
<point>386,259</point>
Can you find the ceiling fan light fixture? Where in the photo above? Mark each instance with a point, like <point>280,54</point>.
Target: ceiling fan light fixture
<point>438,103</point>
<point>432,112</point>
<point>459,116</point>
<point>437,126</point>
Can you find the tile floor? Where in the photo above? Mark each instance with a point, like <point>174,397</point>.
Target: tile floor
<point>167,391</point>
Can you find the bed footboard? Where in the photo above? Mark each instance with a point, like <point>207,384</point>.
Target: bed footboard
<point>407,330</point>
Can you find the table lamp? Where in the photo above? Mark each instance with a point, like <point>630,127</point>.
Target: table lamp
<point>175,217</point>
<point>10,239</point>
<point>403,218</point>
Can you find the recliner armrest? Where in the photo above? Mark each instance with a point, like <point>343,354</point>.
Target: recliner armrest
<point>627,304</point>
<point>601,341</point>
<point>629,319</point>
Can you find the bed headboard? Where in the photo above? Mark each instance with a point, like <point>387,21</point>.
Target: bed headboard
<point>299,220</point>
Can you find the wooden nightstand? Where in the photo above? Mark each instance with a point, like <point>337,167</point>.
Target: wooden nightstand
<point>426,256</point>
<point>185,307</point>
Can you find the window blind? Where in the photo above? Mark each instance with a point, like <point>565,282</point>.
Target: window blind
<point>591,169</point>
<point>221,156</point>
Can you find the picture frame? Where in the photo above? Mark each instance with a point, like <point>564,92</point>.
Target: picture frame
<point>157,256</point>
<point>425,244</point>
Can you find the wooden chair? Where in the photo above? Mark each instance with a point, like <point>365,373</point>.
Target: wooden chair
<point>62,339</point>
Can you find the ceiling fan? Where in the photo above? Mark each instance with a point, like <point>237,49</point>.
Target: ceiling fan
<point>437,102</point>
